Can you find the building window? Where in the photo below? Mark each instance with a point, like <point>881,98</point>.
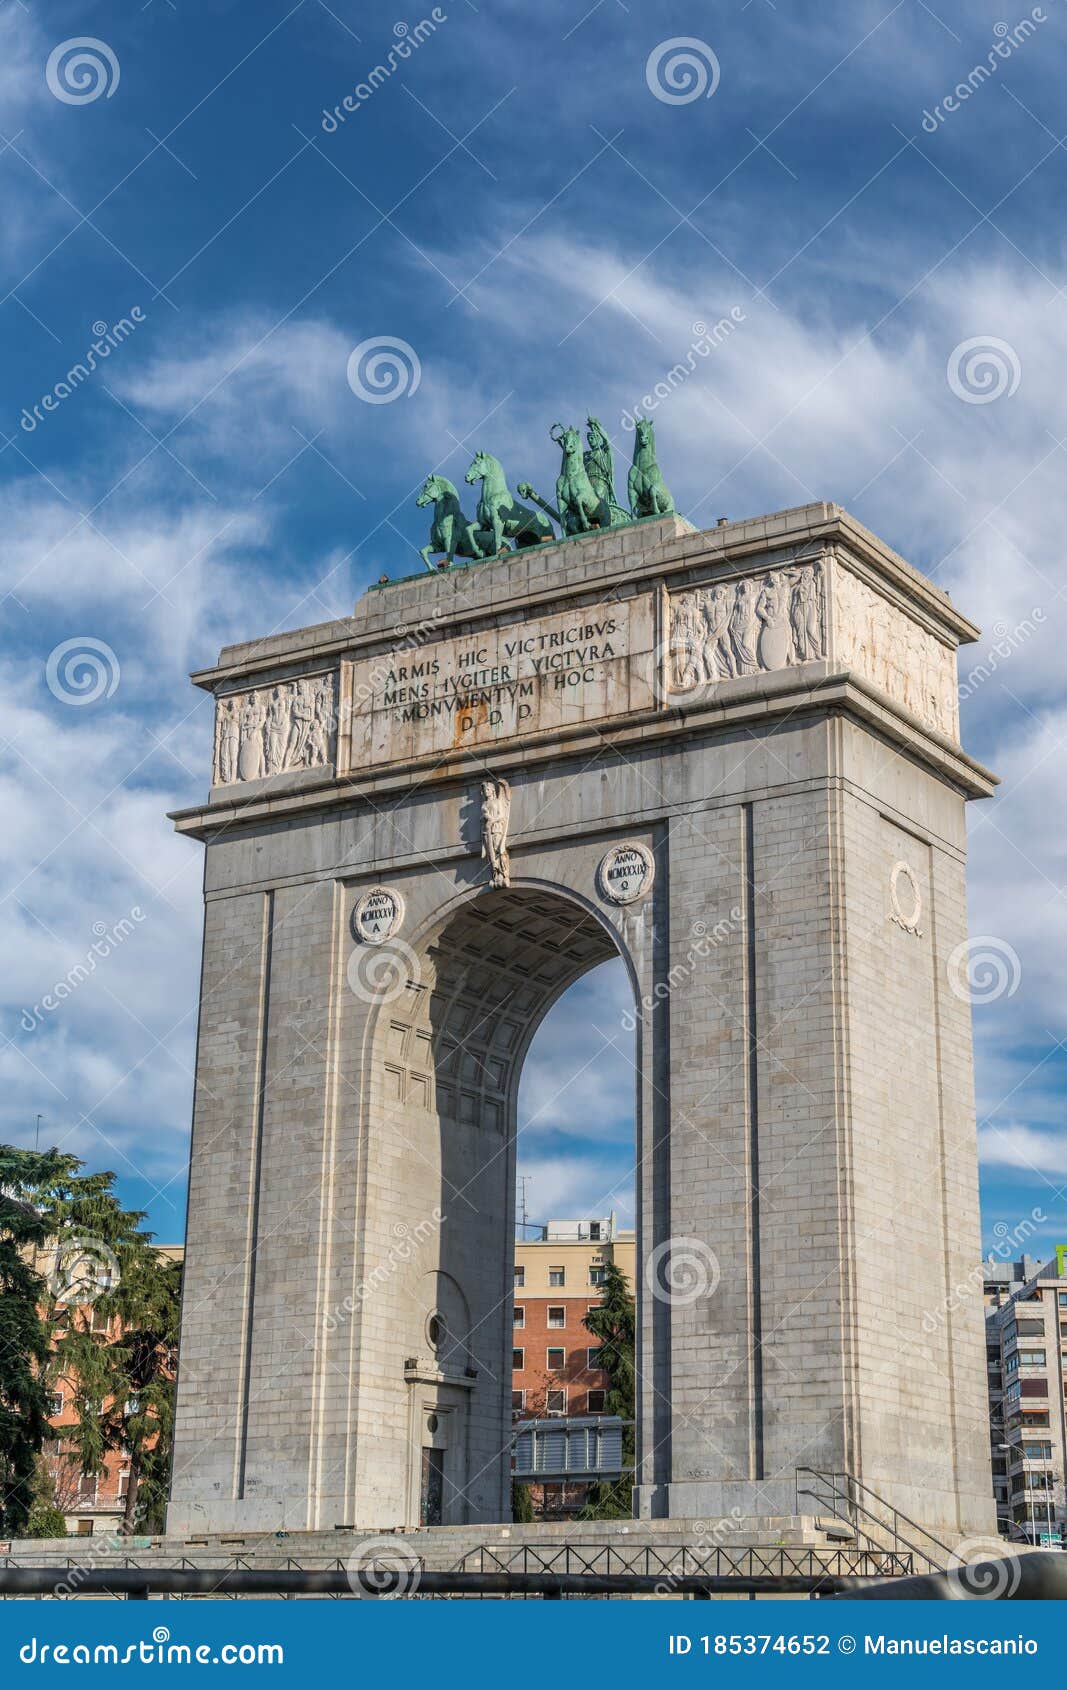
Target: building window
<point>557,1315</point>
<point>1031,1328</point>
<point>1037,1452</point>
<point>557,1360</point>
<point>55,1402</point>
<point>1063,1299</point>
<point>596,1275</point>
<point>1031,1388</point>
<point>594,1231</point>
<point>593,1358</point>
<point>520,1315</point>
<point>557,1276</point>
<point>594,1402</point>
<point>518,1402</point>
<point>1032,1358</point>
<point>1011,1364</point>
<point>520,1276</point>
<point>555,1402</point>
<point>517,1361</point>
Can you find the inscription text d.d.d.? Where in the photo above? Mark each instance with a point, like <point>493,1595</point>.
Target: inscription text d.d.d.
<point>626,873</point>
<point>377,915</point>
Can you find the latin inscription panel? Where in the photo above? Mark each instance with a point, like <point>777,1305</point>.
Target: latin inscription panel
<point>428,699</point>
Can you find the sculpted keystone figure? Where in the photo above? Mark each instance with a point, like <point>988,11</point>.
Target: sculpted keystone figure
<point>496,813</point>
<point>450,531</point>
<point>500,512</point>
<point>645,486</point>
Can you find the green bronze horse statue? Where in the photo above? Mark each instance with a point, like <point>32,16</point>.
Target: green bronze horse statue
<point>583,505</point>
<point>450,531</point>
<point>499,511</point>
<point>645,487</point>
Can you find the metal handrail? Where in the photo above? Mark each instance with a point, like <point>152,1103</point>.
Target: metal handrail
<point>844,1488</point>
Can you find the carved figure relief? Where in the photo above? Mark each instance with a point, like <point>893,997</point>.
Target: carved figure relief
<point>747,627</point>
<point>896,654</point>
<point>496,814</point>
<point>271,730</point>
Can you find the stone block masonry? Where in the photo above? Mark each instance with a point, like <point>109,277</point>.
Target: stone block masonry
<point>763,716</point>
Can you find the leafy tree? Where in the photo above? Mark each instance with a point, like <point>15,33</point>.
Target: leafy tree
<point>521,1503</point>
<point>46,1518</point>
<point>24,1338</point>
<point>110,1307</point>
<point>613,1321</point>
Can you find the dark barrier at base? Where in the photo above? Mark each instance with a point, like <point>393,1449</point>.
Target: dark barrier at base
<point>1039,1576</point>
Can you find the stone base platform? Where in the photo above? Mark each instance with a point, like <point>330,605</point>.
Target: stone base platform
<point>442,1548</point>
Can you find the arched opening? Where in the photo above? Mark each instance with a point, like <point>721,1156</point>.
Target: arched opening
<point>575,1217</point>
<point>447,1055</point>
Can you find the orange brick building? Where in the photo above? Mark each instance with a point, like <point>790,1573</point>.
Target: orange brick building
<point>554,1368</point>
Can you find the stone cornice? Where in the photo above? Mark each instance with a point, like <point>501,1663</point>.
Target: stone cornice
<point>567,572</point>
<point>763,699</point>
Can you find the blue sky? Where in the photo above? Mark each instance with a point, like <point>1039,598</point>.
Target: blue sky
<point>518,203</point>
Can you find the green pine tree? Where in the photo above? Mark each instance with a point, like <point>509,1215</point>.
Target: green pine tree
<point>24,1336</point>
<point>614,1322</point>
<point>111,1309</point>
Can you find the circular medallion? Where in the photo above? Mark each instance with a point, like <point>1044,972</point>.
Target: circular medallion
<point>626,873</point>
<point>378,915</point>
<point>905,897</point>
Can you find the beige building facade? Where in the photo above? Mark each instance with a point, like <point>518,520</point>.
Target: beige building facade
<point>730,758</point>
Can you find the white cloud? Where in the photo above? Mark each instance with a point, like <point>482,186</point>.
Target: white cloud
<point>1018,1146</point>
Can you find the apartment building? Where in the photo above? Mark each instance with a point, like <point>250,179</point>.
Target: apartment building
<point>554,1362</point>
<point>1026,1355</point>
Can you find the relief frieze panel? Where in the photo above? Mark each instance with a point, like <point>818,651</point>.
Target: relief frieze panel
<point>273,730</point>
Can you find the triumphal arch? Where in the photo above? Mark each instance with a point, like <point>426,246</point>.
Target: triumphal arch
<point>730,758</point>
